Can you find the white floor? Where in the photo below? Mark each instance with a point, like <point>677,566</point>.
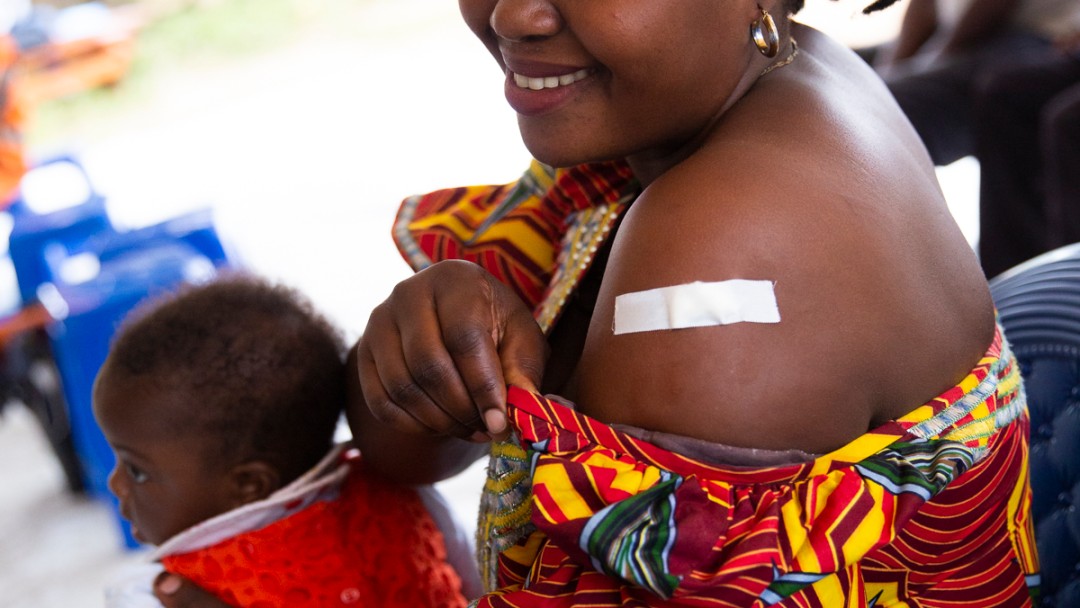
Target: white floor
<point>304,153</point>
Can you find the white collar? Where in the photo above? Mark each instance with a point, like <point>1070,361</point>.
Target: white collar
<point>322,482</point>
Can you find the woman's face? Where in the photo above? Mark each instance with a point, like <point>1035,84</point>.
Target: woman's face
<point>606,79</point>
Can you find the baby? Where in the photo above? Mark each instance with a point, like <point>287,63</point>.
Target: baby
<point>220,403</point>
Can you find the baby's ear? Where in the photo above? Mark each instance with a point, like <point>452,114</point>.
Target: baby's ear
<point>253,480</point>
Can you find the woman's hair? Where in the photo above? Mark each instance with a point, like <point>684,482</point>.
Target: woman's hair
<point>795,6</point>
<point>260,372</point>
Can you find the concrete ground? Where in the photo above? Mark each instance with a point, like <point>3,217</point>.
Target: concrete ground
<point>304,153</point>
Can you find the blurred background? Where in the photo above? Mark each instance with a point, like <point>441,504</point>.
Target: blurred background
<point>285,131</point>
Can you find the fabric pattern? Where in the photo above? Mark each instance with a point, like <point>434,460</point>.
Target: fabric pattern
<point>375,545</point>
<point>537,235</point>
<point>931,510</point>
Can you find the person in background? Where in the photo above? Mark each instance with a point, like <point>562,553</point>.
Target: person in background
<point>221,403</point>
<point>946,48</point>
<point>1027,140</point>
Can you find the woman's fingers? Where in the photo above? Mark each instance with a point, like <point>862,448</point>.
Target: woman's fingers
<point>492,344</point>
<point>391,392</point>
<point>406,371</point>
<point>469,331</point>
<point>437,355</point>
<point>523,351</point>
<point>511,350</point>
<point>174,591</point>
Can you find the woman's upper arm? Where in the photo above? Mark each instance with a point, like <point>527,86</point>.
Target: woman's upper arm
<point>744,383</point>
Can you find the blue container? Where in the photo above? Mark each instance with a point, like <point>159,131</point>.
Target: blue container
<point>42,239</point>
<point>87,315</point>
<point>195,229</point>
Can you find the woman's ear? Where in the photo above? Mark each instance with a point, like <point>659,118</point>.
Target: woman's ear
<point>252,481</point>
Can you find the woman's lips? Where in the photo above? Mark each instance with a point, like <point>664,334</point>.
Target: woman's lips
<point>549,82</point>
<point>531,95</point>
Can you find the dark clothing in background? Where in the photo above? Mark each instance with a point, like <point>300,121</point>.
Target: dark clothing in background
<point>1026,131</point>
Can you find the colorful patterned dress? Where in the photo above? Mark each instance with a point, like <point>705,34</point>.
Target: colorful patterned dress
<point>932,509</point>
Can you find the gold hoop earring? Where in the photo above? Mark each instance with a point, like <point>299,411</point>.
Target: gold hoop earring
<point>765,35</point>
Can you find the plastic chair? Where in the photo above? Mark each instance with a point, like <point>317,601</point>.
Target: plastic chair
<point>1039,307</point>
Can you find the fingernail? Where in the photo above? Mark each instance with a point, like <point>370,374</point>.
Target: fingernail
<point>167,583</point>
<point>479,437</point>
<point>495,421</point>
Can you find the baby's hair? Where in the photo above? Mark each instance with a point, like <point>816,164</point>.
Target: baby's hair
<point>262,373</point>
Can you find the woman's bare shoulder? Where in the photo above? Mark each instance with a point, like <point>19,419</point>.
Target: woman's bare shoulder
<point>859,249</point>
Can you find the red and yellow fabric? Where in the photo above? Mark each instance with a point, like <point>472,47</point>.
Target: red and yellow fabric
<point>537,235</point>
<point>374,546</point>
<point>930,510</point>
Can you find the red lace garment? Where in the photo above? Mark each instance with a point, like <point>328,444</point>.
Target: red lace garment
<point>374,546</point>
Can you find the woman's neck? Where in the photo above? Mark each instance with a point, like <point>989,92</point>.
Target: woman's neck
<point>650,164</point>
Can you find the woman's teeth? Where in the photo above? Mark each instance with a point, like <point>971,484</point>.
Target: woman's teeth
<point>549,82</point>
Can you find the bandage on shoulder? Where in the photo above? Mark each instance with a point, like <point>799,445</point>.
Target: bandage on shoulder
<point>696,304</point>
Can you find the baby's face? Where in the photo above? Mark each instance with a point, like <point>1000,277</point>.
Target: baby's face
<point>161,478</point>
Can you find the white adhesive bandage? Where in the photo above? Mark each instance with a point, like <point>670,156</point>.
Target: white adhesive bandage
<point>696,304</point>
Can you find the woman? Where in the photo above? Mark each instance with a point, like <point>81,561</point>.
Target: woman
<point>807,420</point>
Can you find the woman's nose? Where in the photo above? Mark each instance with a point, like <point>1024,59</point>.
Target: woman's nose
<point>526,20</point>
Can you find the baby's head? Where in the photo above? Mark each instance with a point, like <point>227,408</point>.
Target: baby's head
<point>215,397</point>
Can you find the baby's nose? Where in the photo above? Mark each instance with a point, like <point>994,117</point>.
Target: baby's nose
<point>115,484</point>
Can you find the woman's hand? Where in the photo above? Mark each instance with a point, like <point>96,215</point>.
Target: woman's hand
<point>438,353</point>
<point>174,591</point>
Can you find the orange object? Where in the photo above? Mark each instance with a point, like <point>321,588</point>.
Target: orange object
<point>12,119</point>
<point>26,319</point>
<point>58,69</point>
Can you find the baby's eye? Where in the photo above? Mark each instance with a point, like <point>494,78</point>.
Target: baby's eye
<point>137,474</point>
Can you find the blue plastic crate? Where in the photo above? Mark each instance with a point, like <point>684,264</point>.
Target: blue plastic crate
<point>88,314</point>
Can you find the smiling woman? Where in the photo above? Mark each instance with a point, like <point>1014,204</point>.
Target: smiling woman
<point>843,453</point>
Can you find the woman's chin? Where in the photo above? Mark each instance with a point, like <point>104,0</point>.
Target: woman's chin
<point>560,157</point>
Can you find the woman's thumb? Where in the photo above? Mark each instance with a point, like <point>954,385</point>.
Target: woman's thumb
<point>523,355</point>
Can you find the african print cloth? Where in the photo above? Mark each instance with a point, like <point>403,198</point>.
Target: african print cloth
<point>338,537</point>
<point>538,235</point>
<point>930,510</point>
<point>879,522</point>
